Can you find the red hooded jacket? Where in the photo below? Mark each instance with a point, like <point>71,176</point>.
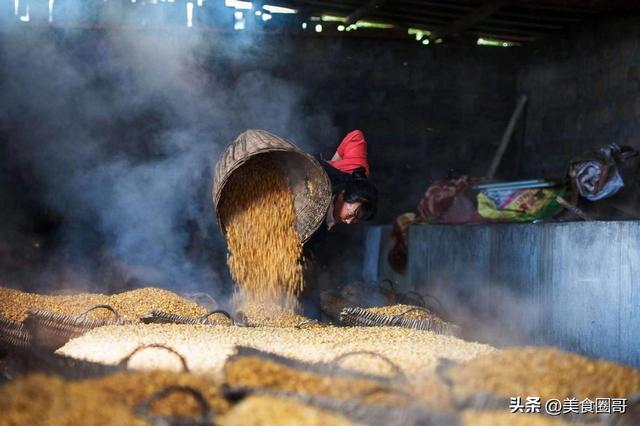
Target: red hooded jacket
<point>353,150</point>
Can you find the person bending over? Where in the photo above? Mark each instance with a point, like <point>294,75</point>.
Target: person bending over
<point>354,196</point>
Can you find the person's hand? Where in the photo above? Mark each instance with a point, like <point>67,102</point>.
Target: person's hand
<point>336,157</point>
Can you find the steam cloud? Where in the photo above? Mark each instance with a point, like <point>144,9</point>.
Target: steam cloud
<point>111,137</point>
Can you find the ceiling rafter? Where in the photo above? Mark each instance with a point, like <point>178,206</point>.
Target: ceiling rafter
<point>469,21</point>
<point>521,20</point>
<point>363,11</point>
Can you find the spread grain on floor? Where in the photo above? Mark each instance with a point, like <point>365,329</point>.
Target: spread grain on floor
<point>207,347</point>
<point>131,305</point>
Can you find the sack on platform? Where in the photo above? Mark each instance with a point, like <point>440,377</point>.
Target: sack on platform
<point>519,205</point>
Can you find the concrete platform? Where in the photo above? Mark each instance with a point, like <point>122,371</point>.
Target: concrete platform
<point>575,285</point>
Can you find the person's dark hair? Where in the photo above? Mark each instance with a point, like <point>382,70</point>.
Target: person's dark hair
<point>359,188</point>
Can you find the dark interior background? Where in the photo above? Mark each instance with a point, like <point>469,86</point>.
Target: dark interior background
<point>108,137</point>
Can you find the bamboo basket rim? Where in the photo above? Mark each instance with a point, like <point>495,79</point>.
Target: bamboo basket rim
<point>309,221</point>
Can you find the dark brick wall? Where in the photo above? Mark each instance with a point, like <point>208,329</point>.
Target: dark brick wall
<point>583,92</point>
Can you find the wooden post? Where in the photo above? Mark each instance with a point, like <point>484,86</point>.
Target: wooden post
<point>506,138</point>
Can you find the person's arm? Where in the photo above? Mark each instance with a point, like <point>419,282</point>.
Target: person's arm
<point>336,157</point>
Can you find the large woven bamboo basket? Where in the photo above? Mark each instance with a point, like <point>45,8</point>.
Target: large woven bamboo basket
<point>309,182</point>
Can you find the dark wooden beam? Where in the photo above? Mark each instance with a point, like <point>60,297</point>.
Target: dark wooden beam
<point>440,5</point>
<point>335,7</point>
<point>506,37</point>
<point>434,11</point>
<point>370,7</point>
<point>534,5</point>
<point>507,12</point>
<point>424,19</point>
<point>426,24</point>
<point>439,22</point>
<point>506,30</point>
<point>470,20</point>
<point>555,17</point>
<point>523,24</point>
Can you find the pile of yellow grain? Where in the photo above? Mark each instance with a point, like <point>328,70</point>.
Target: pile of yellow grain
<point>506,418</point>
<point>43,399</point>
<point>269,411</point>
<point>131,305</point>
<point>544,372</point>
<point>264,249</point>
<point>256,372</point>
<point>270,315</point>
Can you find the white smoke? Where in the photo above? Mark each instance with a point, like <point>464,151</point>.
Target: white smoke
<point>115,133</point>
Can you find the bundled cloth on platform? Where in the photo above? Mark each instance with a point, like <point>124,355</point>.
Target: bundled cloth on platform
<point>449,201</point>
<point>519,205</point>
<point>596,174</point>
